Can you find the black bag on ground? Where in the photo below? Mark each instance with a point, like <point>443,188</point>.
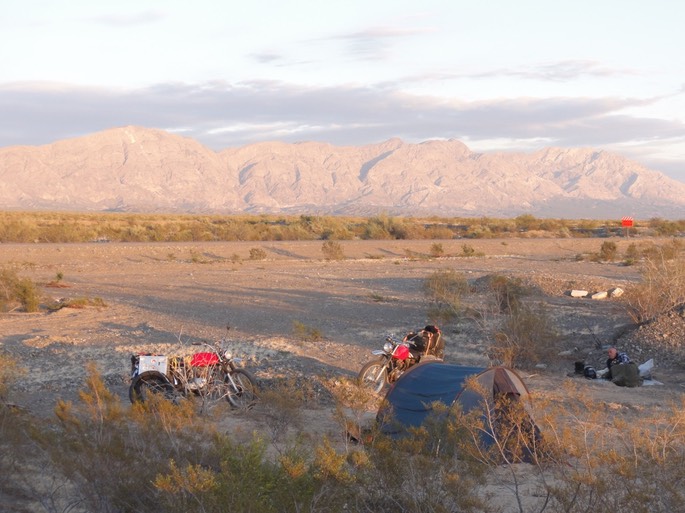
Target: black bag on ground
<point>626,375</point>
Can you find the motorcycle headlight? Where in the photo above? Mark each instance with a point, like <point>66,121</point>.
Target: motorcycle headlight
<point>228,355</point>
<point>388,347</point>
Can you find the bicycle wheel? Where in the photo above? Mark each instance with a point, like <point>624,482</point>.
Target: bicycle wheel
<point>242,389</point>
<point>143,386</point>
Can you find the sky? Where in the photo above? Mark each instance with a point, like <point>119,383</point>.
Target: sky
<point>494,74</point>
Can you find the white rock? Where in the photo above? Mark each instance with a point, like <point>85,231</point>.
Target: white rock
<point>579,293</point>
<point>616,292</point>
<point>600,295</point>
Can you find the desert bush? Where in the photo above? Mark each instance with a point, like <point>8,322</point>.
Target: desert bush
<point>604,463</point>
<point>524,337</point>
<point>10,372</point>
<point>283,403</point>
<point>377,297</point>
<point>468,251</point>
<point>438,232</point>
<point>111,456</point>
<point>662,285</point>
<point>16,291</point>
<point>77,303</point>
<point>257,254</point>
<point>506,292</point>
<point>19,459</point>
<point>8,283</point>
<point>306,333</point>
<point>118,227</point>
<point>436,250</point>
<point>664,228</point>
<point>607,252</point>
<point>332,250</point>
<point>160,457</point>
<point>28,295</point>
<point>631,255</point>
<point>444,291</point>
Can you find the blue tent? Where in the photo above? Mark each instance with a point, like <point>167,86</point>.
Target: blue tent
<point>410,400</point>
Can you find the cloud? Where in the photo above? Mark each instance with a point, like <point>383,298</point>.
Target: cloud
<point>222,114</point>
<point>561,71</point>
<point>266,57</point>
<point>130,19</point>
<point>373,43</point>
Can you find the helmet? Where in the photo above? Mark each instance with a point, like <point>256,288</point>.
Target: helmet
<point>589,372</point>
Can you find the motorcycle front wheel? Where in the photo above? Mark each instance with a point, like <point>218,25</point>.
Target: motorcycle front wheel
<point>374,375</point>
<point>143,386</point>
<point>242,389</point>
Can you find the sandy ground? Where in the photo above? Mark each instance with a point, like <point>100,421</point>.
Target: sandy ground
<point>159,295</point>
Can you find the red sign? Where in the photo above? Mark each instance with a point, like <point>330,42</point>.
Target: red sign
<point>627,222</point>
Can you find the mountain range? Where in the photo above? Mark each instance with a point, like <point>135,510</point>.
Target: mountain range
<point>135,169</point>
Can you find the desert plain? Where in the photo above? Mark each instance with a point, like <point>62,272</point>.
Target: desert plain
<point>298,318</point>
<point>158,296</point>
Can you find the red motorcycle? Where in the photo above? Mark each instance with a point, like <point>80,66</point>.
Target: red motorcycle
<point>398,356</point>
<point>393,360</point>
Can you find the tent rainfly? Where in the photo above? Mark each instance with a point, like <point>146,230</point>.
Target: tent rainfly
<point>410,400</point>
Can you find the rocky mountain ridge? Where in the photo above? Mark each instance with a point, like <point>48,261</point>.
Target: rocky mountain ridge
<point>147,170</point>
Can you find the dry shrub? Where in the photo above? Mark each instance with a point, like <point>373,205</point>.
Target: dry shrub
<point>306,333</point>
<point>283,403</point>
<point>111,455</point>
<point>436,250</point>
<point>445,290</point>
<point>160,457</point>
<point>16,291</point>
<point>526,336</point>
<point>608,464</point>
<point>332,250</point>
<point>662,287</point>
<point>257,254</point>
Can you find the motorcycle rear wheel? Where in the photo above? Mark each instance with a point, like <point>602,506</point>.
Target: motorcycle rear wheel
<point>374,375</point>
<point>143,386</point>
<point>244,395</point>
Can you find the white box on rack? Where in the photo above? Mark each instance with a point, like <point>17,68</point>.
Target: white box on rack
<point>153,362</point>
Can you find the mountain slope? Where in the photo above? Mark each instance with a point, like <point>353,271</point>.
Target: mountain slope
<point>146,170</point>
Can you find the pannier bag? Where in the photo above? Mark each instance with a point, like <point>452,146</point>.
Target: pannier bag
<point>626,375</point>
<point>428,341</point>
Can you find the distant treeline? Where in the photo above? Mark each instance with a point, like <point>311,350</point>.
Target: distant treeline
<point>51,227</point>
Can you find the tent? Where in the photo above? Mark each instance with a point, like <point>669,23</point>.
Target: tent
<point>410,400</point>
